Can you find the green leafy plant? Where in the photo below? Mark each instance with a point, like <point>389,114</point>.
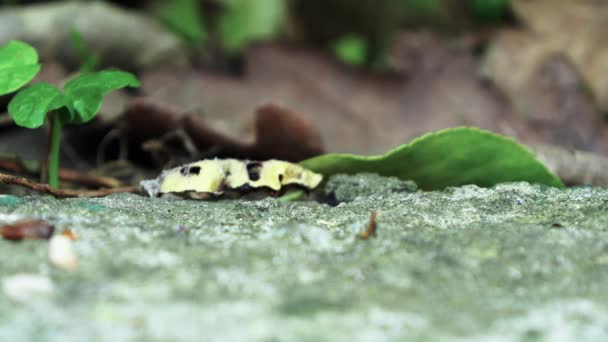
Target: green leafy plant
<point>79,102</point>
<point>450,157</point>
<point>18,65</point>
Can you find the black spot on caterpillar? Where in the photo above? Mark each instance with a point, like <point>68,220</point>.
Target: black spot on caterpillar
<point>195,170</point>
<point>253,170</point>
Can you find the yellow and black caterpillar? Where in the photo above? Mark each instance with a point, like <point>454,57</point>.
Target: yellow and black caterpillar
<point>215,177</point>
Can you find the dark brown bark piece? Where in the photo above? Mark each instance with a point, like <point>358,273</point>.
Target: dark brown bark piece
<point>27,230</point>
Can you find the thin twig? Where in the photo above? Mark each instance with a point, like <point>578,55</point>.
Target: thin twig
<point>15,165</point>
<point>40,187</point>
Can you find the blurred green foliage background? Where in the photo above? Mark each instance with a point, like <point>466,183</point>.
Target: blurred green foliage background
<point>357,31</point>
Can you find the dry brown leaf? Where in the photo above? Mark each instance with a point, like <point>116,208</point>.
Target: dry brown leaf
<point>573,28</point>
<point>557,109</point>
<point>355,110</point>
<point>549,15</point>
<point>279,133</point>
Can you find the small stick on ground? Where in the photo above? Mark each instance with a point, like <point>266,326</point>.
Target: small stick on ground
<point>14,165</point>
<point>370,229</point>
<point>40,187</point>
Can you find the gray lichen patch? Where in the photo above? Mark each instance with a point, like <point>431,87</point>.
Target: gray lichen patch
<point>346,188</point>
<point>516,262</point>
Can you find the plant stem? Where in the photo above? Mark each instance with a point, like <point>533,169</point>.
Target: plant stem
<point>53,160</point>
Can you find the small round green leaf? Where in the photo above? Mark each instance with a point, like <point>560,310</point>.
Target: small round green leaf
<point>85,92</point>
<point>450,157</point>
<point>29,107</point>
<point>18,65</point>
<point>351,49</point>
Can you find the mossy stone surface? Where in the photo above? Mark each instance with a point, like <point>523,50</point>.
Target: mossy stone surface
<point>517,262</point>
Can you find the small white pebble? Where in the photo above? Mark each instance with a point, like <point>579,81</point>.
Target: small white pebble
<point>61,253</point>
<point>25,287</point>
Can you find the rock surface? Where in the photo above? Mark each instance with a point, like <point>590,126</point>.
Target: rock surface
<point>512,263</point>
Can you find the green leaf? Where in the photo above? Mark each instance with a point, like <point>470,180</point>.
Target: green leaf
<point>29,107</point>
<point>248,20</point>
<point>184,18</point>
<point>104,81</point>
<point>85,92</point>
<point>18,65</point>
<point>450,157</point>
<point>292,196</point>
<point>351,49</point>
<point>84,105</point>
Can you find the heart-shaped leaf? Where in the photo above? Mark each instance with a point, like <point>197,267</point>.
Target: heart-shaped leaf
<point>18,65</point>
<point>85,92</point>
<point>450,157</point>
<point>29,107</point>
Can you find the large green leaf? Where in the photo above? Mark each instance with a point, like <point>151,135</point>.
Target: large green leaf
<point>248,20</point>
<point>18,65</point>
<point>85,93</point>
<point>450,157</point>
<point>29,107</point>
